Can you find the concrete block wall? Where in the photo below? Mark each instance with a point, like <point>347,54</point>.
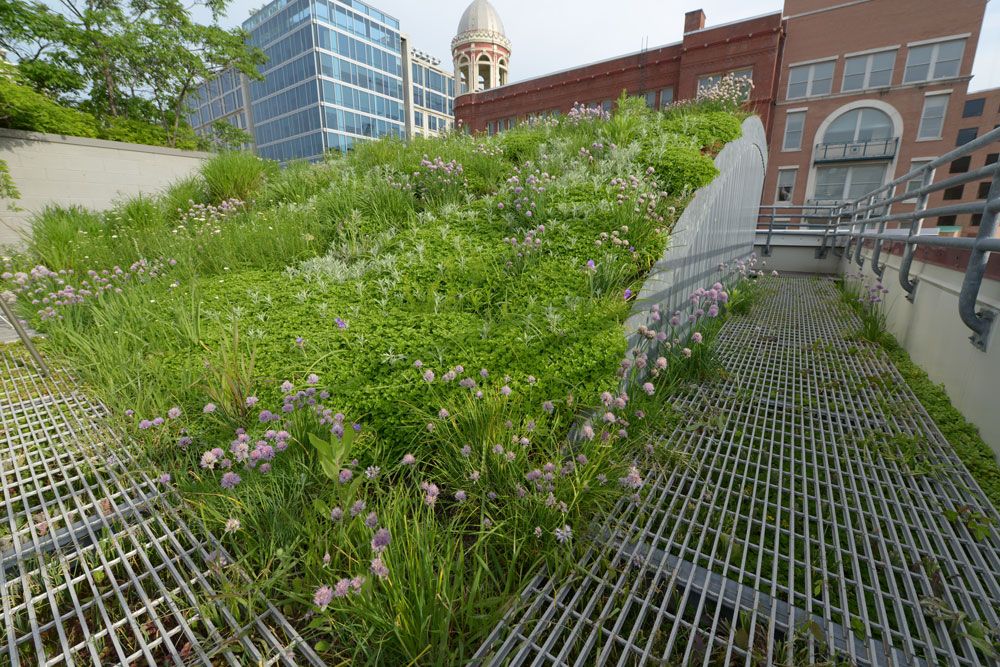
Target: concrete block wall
<point>93,173</point>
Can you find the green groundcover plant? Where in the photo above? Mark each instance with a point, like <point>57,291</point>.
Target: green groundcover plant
<point>395,383</point>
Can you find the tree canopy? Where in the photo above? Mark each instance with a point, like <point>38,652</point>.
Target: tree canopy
<point>129,65</point>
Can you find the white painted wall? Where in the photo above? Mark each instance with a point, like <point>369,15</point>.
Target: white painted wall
<point>937,340</point>
<point>55,169</point>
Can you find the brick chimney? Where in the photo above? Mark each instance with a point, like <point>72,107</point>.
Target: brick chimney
<point>694,20</point>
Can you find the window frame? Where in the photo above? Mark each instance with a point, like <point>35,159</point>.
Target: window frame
<point>981,101</point>
<point>848,182</point>
<point>928,98</point>
<point>916,163</point>
<point>794,171</point>
<point>797,113</point>
<point>965,131</point>
<point>666,92</point>
<point>869,59</point>
<point>933,63</point>
<point>810,79</point>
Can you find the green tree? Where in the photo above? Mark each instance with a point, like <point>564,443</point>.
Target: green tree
<point>133,61</point>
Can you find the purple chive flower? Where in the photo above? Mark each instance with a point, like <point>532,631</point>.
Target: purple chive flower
<point>443,414</point>
<point>649,388</point>
<point>505,390</point>
<point>129,412</point>
<point>300,342</point>
<point>428,376</point>
<point>345,476</point>
<point>145,424</point>
<point>466,451</point>
<point>564,534</point>
<point>324,596</point>
<point>628,294</point>
<point>336,514</point>
<point>232,525</point>
<point>696,337</point>
<point>381,540</point>
<point>460,496</point>
<point>287,387</point>
<point>686,352</point>
<point>378,568</point>
<point>174,412</point>
<point>371,520</point>
<point>341,324</point>
<point>591,265</point>
<point>409,459</point>
<point>548,406</point>
<point>158,421</point>
<point>209,408</point>
<point>633,480</point>
<point>165,478</point>
<point>418,364</point>
<point>342,588</point>
<point>184,441</point>
<point>326,558</point>
<point>372,472</point>
<point>357,508</point>
<point>312,379</point>
<point>230,480</point>
<point>588,431</point>
<point>251,401</point>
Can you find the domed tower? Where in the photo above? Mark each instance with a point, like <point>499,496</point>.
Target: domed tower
<point>481,49</point>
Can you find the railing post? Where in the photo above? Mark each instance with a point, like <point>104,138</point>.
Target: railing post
<point>980,322</point>
<point>910,286</point>
<point>11,316</point>
<point>864,225</point>
<point>770,230</point>
<point>822,250</point>
<point>877,250</point>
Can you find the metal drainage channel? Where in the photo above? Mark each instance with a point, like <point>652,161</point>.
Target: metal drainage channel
<point>810,523</point>
<point>97,566</point>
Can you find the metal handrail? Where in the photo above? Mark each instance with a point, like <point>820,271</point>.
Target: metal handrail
<point>866,219</point>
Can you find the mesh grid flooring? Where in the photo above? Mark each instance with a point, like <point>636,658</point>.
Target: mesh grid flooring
<point>97,566</point>
<point>821,518</point>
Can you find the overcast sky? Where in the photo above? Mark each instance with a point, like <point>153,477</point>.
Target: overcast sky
<point>550,35</point>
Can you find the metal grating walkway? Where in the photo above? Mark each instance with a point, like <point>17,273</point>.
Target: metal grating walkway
<point>97,566</point>
<point>821,518</point>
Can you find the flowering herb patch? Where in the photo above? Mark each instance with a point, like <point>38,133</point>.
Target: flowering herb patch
<point>397,382</point>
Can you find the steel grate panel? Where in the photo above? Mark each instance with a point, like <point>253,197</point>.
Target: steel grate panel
<point>808,522</point>
<point>96,565</point>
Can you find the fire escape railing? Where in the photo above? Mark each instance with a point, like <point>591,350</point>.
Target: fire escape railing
<point>871,220</point>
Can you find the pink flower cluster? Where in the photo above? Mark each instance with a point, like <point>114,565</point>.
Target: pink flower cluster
<point>55,290</point>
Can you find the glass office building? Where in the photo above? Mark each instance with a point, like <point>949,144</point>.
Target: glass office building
<point>222,98</point>
<point>433,95</point>
<point>333,76</point>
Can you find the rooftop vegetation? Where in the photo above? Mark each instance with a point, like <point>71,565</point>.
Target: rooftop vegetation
<point>391,382</point>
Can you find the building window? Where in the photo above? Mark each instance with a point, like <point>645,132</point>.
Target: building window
<point>870,71</point>
<point>848,183</point>
<point>491,128</point>
<point>984,190</point>
<point>917,182</point>
<point>666,97</point>
<point>606,105</point>
<point>961,165</point>
<point>992,158</point>
<point>786,185</point>
<point>932,117</point>
<point>966,135</point>
<point>794,125</point>
<point>955,193</point>
<point>810,80</point>
<point>974,108</point>
<point>947,221</point>
<point>858,126</point>
<point>976,220</point>
<point>934,61</point>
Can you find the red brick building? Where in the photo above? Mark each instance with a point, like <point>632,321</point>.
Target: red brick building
<point>853,94</point>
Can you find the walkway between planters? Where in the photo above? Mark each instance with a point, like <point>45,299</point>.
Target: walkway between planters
<point>96,566</point>
<point>816,514</point>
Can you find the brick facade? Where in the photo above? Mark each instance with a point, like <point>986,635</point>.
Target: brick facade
<point>806,32</point>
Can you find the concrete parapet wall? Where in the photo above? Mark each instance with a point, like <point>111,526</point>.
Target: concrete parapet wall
<point>93,173</point>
